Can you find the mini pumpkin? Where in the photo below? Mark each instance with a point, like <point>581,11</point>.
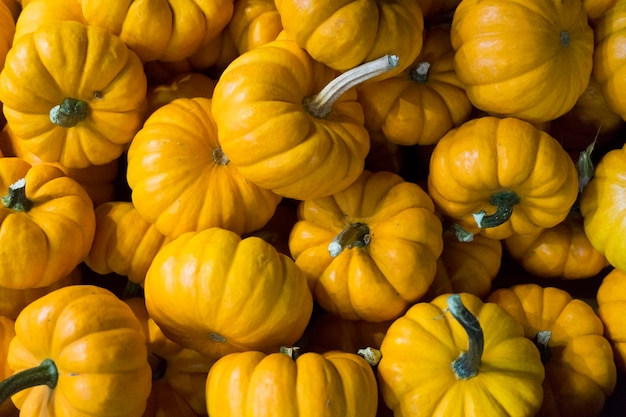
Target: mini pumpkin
<point>7,332</point>
<point>254,23</point>
<point>7,30</point>
<point>611,297</point>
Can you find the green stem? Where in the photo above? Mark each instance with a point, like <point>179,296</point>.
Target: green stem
<point>468,363</point>
<point>292,351</point>
<point>459,232</point>
<point>371,355</point>
<point>504,202</point>
<point>69,112</point>
<point>321,104</point>
<point>16,198</point>
<point>354,235</point>
<point>542,340</point>
<point>44,374</point>
<point>419,74</point>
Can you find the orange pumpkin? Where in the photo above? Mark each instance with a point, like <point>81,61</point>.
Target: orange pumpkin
<point>7,30</point>
<point>7,332</point>
<point>254,23</point>
<point>611,297</point>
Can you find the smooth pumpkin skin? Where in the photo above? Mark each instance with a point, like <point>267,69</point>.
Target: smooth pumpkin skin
<point>124,243</point>
<point>596,8</point>
<point>602,206</point>
<point>611,297</point>
<point>182,180</point>
<point>41,12</point>
<point>175,30</point>
<point>45,244</point>
<point>513,60</point>
<point>416,378</point>
<point>70,60</point>
<point>7,332</point>
<point>562,251</point>
<point>216,293</point>
<point>178,390</point>
<point>254,23</point>
<point>328,30</point>
<point>7,30</point>
<point>608,60</point>
<point>379,281</point>
<point>267,134</point>
<point>95,341</point>
<point>488,155</point>
<point>255,384</point>
<point>581,373</point>
<point>418,109</point>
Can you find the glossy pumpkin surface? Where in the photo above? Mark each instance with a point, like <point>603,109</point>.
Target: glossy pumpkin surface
<point>611,298</point>
<point>7,332</point>
<point>331,384</point>
<point>47,227</point>
<point>95,342</point>
<point>254,23</point>
<point>7,30</point>
<point>506,169</point>
<point>388,264</point>
<point>580,371</point>
<point>217,293</point>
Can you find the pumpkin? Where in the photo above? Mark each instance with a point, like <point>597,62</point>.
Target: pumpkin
<point>182,180</point>
<point>611,298</point>
<point>7,332</point>
<point>48,224</point>
<point>466,266</point>
<point>501,176</point>
<point>255,384</point>
<point>370,250</point>
<point>287,128</point>
<point>14,6</point>
<point>178,374</point>
<point>12,301</point>
<point>74,94</point>
<point>458,356</point>
<point>41,12</point>
<point>327,30</point>
<point>254,23</point>
<point>530,60</point>
<point>124,242</point>
<point>596,8</point>
<point>580,371</point>
<point>186,85</point>
<point>85,349</point>
<point>608,59</point>
<point>7,30</point>
<point>423,102</point>
<point>217,293</point>
<point>602,207</point>
<point>562,251</point>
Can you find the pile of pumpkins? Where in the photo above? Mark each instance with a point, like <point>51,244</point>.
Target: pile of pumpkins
<point>309,203</point>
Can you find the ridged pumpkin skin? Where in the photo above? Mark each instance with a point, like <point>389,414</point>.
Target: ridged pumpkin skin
<point>488,157</point>
<point>175,30</point>
<point>254,23</point>
<point>216,293</point>
<point>422,103</point>
<point>7,332</point>
<point>45,243</point>
<point>331,384</point>
<point>328,29</point>
<point>95,342</point>
<point>182,180</point>
<point>7,30</point>
<point>603,207</point>
<point>415,374</point>
<point>580,371</point>
<point>530,59</point>
<point>124,242</point>
<point>267,134</point>
<point>380,279</point>
<point>611,299</point>
<point>74,94</point>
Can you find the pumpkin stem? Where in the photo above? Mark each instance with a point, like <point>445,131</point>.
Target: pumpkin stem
<point>354,235</point>
<point>565,38</point>
<point>584,166</point>
<point>371,355</point>
<point>16,198</point>
<point>44,374</point>
<point>219,156</point>
<point>459,232</point>
<point>292,351</point>
<point>420,72</point>
<point>504,201</point>
<point>69,112</point>
<point>542,339</point>
<point>321,104</point>
<point>467,364</point>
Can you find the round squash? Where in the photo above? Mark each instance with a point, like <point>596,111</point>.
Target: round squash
<point>611,297</point>
<point>7,332</point>
<point>254,23</point>
<point>7,30</point>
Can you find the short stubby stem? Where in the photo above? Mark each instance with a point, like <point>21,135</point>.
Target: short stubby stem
<point>44,374</point>
<point>219,157</point>
<point>355,235</point>
<point>321,104</point>
<point>542,341</point>
<point>565,38</point>
<point>371,355</point>
<point>69,113</point>
<point>292,351</point>
<point>504,202</point>
<point>16,198</point>
<point>468,363</point>
<point>459,232</point>
<point>419,74</point>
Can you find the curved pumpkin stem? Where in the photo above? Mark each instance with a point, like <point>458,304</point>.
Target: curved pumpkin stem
<point>320,104</point>
<point>354,235</point>
<point>504,201</point>
<point>16,198</point>
<point>44,374</point>
<point>542,340</point>
<point>467,364</point>
<point>69,113</point>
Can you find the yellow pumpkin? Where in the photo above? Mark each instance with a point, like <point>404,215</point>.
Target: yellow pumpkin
<point>254,23</point>
<point>7,332</point>
<point>7,30</point>
<point>611,298</point>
